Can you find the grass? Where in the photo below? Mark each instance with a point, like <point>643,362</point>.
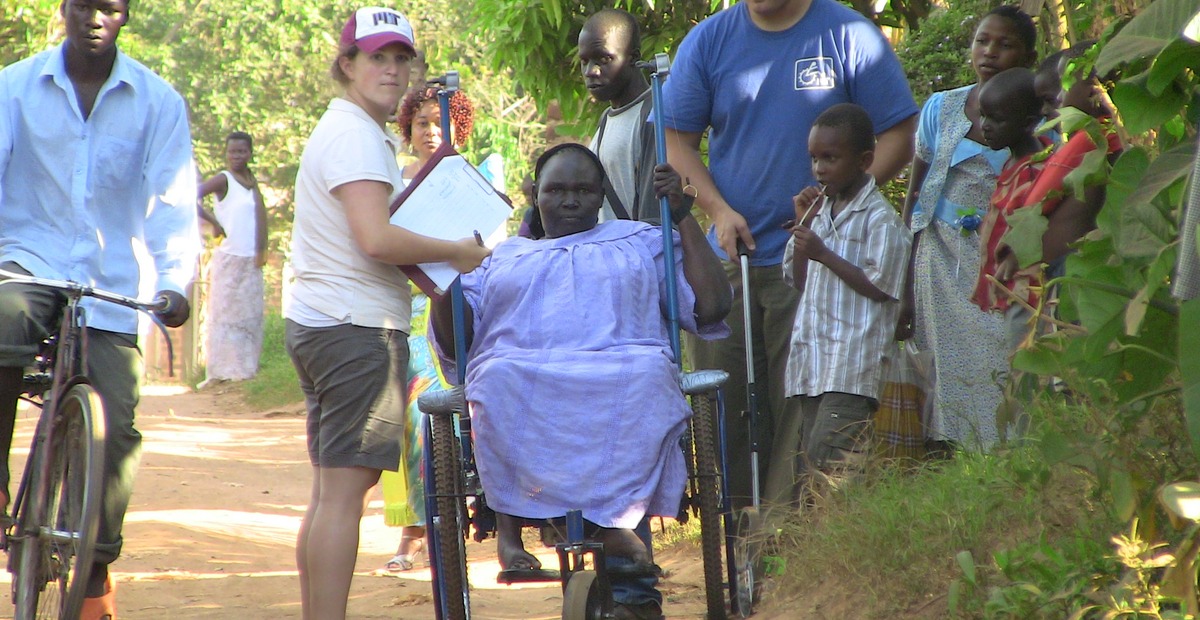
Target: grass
<point>276,384</point>
<point>894,543</point>
<point>674,533</point>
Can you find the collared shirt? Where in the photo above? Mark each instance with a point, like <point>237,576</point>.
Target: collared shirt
<point>840,337</point>
<point>962,172</point>
<point>336,282</point>
<point>80,197</point>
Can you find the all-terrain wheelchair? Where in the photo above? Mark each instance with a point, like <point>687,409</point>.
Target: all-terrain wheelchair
<point>456,505</point>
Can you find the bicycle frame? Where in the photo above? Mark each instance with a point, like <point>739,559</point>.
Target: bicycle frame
<point>64,356</point>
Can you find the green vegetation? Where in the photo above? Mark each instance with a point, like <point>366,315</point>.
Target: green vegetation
<point>276,384</point>
<point>1087,517</point>
<point>1017,534</point>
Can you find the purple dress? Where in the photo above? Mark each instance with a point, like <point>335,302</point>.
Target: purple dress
<point>574,394</point>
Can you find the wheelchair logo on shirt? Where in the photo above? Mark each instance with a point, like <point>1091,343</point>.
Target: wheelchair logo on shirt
<point>815,73</point>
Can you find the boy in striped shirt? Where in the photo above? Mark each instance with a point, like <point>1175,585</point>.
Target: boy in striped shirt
<point>847,257</point>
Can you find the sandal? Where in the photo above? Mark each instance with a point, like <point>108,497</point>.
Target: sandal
<point>400,563</point>
<point>102,607</point>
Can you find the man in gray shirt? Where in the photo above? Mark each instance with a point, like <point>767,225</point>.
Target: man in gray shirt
<point>609,50</point>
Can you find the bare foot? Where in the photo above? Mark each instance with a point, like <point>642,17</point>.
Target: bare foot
<point>514,555</point>
<point>509,547</point>
<point>623,543</point>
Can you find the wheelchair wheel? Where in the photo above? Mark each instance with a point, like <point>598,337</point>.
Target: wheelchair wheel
<point>583,599</point>
<point>708,500</point>
<point>747,561</point>
<point>448,486</point>
<point>56,538</point>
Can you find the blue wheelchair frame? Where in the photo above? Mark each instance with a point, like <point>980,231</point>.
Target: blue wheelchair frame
<point>451,476</point>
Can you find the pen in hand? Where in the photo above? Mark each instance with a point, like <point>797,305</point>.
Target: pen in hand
<point>478,238</point>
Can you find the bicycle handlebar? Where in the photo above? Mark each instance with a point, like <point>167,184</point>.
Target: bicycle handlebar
<point>160,305</point>
<point>153,309</point>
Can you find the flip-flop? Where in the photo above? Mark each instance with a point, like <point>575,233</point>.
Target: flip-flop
<point>527,575</point>
<point>630,571</point>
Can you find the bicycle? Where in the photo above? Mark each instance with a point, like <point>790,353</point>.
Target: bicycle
<point>51,536</point>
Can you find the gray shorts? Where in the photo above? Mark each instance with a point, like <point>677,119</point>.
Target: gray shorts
<point>354,381</point>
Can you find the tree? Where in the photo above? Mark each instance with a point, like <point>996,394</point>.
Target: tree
<point>260,66</point>
<point>26,26</point>
<point>535,40</point>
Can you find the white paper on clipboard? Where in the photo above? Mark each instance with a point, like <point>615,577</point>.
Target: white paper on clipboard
<point>449,199</point>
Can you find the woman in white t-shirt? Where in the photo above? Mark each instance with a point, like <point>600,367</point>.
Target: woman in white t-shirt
<point>349,310</point>
<point>234,326</point>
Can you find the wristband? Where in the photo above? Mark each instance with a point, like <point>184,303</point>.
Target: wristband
<point>683,210</point>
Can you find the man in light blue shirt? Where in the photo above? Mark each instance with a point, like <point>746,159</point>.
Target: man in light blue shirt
<point>95,162</point>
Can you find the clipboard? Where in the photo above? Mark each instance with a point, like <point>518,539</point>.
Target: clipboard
<point>449,199</point>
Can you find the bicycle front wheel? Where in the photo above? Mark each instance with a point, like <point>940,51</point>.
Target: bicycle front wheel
<point>57,533</point>
<point>447,481</point>
<point>708,498</point>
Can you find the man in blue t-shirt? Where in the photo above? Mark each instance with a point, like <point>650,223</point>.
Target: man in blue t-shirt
<point>755,76</point>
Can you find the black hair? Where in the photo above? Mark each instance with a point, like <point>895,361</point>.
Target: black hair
<point>1016,84</point>
<point>536,229</point>
<point>1071,53</point>
<point>239,135</point>
<point>1049,64</point>
<point>1023,22</point>
<point>607,18</point>
<point>854,121</point>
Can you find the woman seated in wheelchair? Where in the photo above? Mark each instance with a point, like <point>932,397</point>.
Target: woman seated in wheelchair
<point>574,393</point>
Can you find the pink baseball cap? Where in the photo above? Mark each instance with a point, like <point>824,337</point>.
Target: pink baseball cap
<point>373,27</point>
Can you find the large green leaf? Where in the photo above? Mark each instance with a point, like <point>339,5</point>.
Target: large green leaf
<point>1124,182</point>
<point>1143,230</point>
<point>1147,361</point>
<point>1024,236</point>
<point>1147,34</point>
<point>1047,357</point>
<point>1176,58</point>
<point>1124,497</point>
<point>1166,169</point>
<point>1156,280</point>
<point>1092,170</point>
<point>1142,110</point>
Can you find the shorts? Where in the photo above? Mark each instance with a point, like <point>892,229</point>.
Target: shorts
<point>837,428</point>
<point>354,381</point>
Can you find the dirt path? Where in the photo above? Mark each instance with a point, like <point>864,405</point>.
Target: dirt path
<point>211,530</point>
